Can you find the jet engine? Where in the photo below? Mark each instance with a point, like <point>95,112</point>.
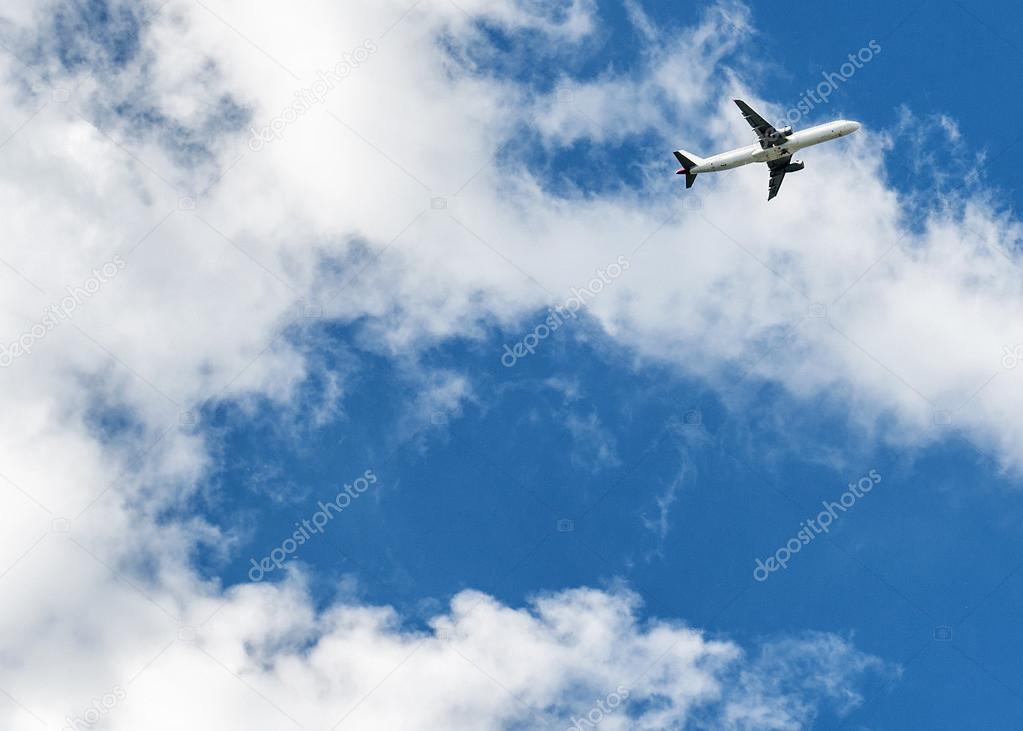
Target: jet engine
<point>795,166</point>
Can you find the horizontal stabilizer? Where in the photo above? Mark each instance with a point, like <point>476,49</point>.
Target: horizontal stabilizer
<point>688,161</point>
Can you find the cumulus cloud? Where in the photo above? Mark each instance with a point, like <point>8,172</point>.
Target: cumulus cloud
<point>401,204</point>
<point>576,659</point>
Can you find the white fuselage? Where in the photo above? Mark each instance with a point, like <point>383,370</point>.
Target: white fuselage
<point>795,141</point>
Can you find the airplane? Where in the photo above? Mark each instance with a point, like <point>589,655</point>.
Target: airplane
<point>775,148</point>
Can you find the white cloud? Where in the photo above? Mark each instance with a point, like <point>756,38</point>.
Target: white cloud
<point>262,659</point>
<point>343,213</point>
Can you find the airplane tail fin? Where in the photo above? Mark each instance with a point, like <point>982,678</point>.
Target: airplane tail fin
<point>688,161</point>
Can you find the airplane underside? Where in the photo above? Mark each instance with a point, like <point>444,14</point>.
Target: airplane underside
<point>776,148</point>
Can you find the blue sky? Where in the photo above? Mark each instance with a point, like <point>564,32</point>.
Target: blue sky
<point>476,503</point>
<point>645,446</point>
<point>680,510</point>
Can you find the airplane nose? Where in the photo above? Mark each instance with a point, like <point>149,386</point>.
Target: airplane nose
<point>853,126</point>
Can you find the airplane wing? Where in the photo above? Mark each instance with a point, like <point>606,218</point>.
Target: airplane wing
<point>769,136</point>
<point>777,175</point>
